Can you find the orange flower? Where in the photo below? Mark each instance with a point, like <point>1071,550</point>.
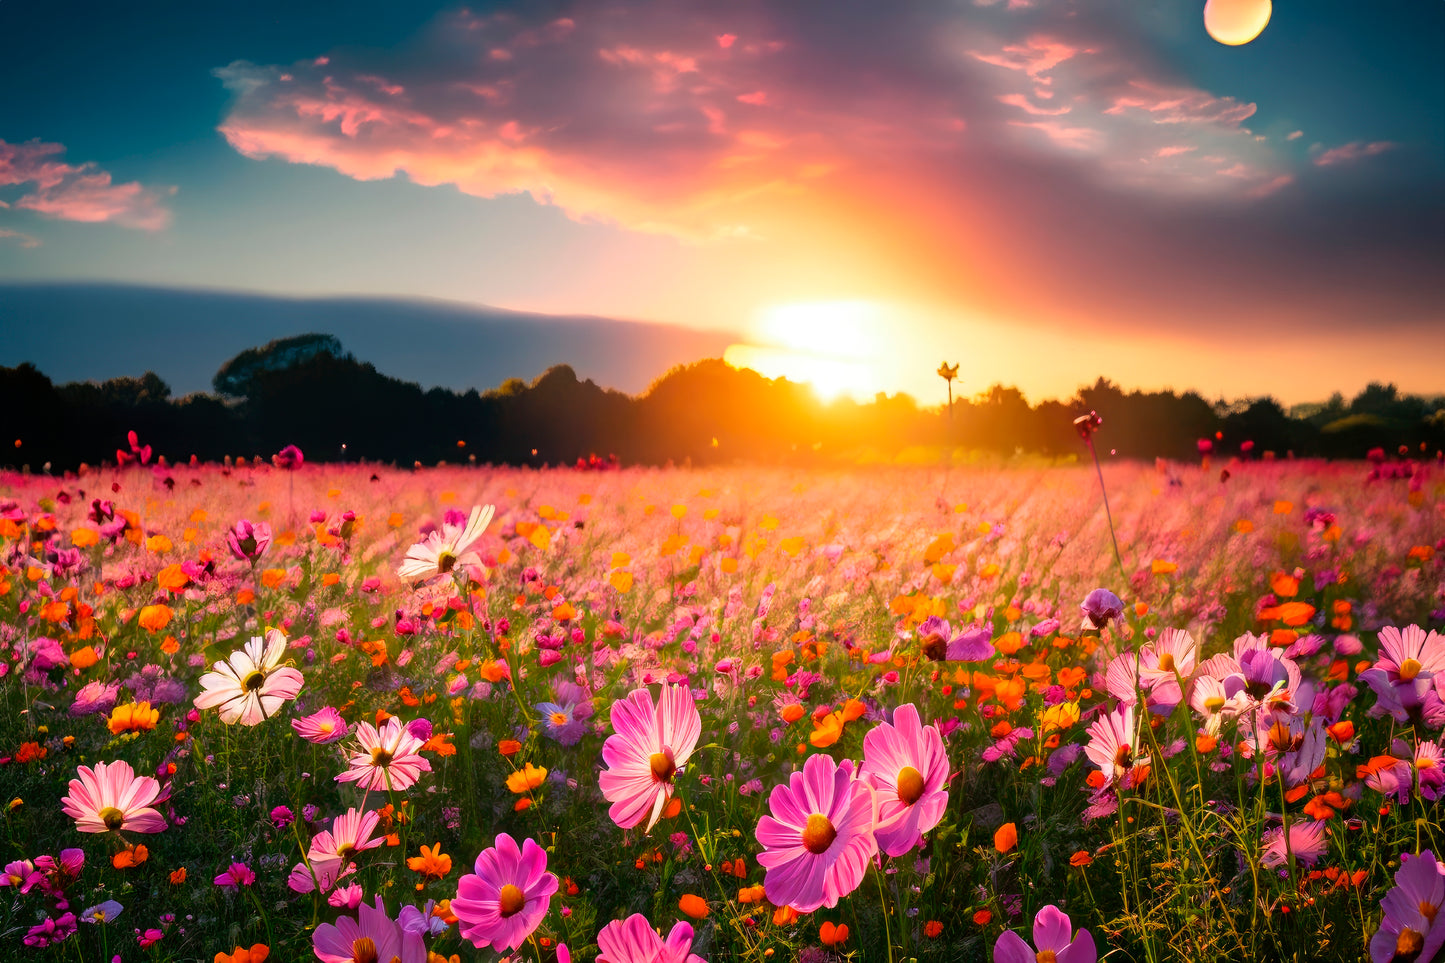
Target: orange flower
<point>526,779</point>
<point>564,612</point>
<point>153,618</point>
<point>1284,585</point>
<point>1006,838</point>
<point>30,752</point>
<point>982,917</point>
<point>1342,732</point>
<point>751,894</point>
<point>130,856</point>
<point>84,658</point>
<point>432,863</point>
<point>933,929</point>
<point>792,712</point>
<point>1081,858</point>
<point>273,577</point>
<point>172,578</point>
<point>1296,613</point>
<point>784,915</point>
<point>178,876</point>
<point>833,935</point>
<point>828,730</point>
<point>673,807</point>
<point>1161,567</point>
<point>133,717</point>
<point>694,906</point>
<point>509,747</point>
<point>256,954</point>
<point>441,744</point>
<point>84,537</point>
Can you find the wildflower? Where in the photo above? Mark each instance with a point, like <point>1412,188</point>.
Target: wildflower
<point>971,645</point>
<point>1052,929</point>
<point>373,936</point>
<point>633,940</point>
<point>694,906</point>
<point>648,747</point>
<point>154,618</point>
<point>1100,607</point>
<point>133,717</point>
<point>101,912</point>
<point>288,458</point>
<point>252,684</point>
<point>1413,927</point>
<point>386,757</point>
<point>933,929</point>
<point>52,930</point>
<point>442,551</point>
<point>1306,841</point>
<point>256,954</point>
<point>526,779</point>
<point>432,863</point>
<point>565,720</point>
<point>322,727</point>
<point>506,898</point>
<point>831,935</point>
<point>907,768</point>
<point>130,856</point>
<point>248,541</point>
<point>1114,746</point>
<point>1006,838</point>
<point>332,849</point>
<point>111,797</point>
<point>818,838</point>
<point>235,876</point>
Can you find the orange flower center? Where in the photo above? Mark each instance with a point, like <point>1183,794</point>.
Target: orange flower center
<point>1045,956</point>
<point>1409,669</point>
<point>112,817</point>
<point>1409,945</point>
<point>818,834</point>
<point>381,757</point>
<point>559,718</point>
<point>1428,910</point>
<point>1166,664</point>
<point>363,950</point>
<point>1123,758</point>
<point>254,680</point>
<point>511,899</point>
<point>1214,703</point>
<point>662,765</point>
<point>910,784</point>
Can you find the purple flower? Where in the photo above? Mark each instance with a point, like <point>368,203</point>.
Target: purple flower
<point>51,931</point>
<point>1413,927</point>
<point>248,540</point>
<point>1101,607</point>
<point>1052,929</point>
<point>565,720</point>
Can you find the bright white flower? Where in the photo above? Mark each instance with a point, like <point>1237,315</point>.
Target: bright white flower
<point>442,551</point>
<point>252,684</point>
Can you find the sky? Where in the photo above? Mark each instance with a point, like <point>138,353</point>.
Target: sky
<point>1042,191</point>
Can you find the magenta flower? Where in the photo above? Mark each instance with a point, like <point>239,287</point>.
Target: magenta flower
<point>506,898</point>
<point>322,728</point>
<point>111,797</point>
<point>1052,929</point>
<point>1409,653</point>
<point>248,541</point>
<point>818,841</point>
<point>633,940</point>
<point>371,937</point>
<point>331,851</point>
<point>386,758</point>
<point>1413,927</point>
<point>235,876</point>
<point>1308,840</point>
<point>937,641</point>
<point>648,747</point>
<point>288,458</point>
<point>907,768</point>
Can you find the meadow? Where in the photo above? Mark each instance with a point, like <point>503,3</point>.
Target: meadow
<point>896,713</point>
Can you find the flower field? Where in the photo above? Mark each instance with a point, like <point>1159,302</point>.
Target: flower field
<point>353,713</point>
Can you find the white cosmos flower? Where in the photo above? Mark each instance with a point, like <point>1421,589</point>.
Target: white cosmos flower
<point>252,684</point>
<point>441,552</point>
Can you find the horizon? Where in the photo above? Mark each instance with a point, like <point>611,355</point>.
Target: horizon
<point>1033,190</point>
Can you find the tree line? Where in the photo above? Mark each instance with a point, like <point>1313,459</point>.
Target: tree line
<point>308,391</point>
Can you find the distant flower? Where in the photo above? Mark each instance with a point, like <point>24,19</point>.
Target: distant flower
<point>252,685</point>
<point>506,898</point>
<point>566,719</point>
<point>322,728</point>
<point>386,758</point>
<point>373,936</point>
<point>288,458</point>
<point>432,863</point>
<point>248,541</point>
<point>1101,607</point>
<point>1413,927</point>
<point>818,837</point>
<point>907,767</point>
<point>111,797</point>
<point>936,639</point>
<point>441,552</point>
<point>649,745</point>
<point>133,717</point>
<point>1052,931</point>
<point>633,940</point>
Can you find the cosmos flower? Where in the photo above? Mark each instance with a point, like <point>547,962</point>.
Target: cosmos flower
<point>253,684</point>
<point>442,551</point>
<point>248,540</point>
<point>506,898</point>
<point>111,797</point>
<point>633,940</point>
<point>1413,927</point>
<point>373,937</point>
<point>1052,929</point>
<point>386,758</point>
<point>907,767</point>
<point>648,747</point>
<point>565,720</point>
<point>1114,745</point>
<point>1409,653</point>
<point>322,727</point>
<point>1100,607</point>
<point>818,838</point>
<point>936,640</point>
<point>101,912</point>
<point>332,850</point>
<point>1308,840</point>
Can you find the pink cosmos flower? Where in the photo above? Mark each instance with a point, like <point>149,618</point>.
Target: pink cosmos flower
<point>442,551</point>
<point>1408,653</point>
<point>633,940</point>
<point>1413,927</point>
<point>386,758</point>
<point>506,898</point>
<point>1114,745</point>
<point>371,937</point>
<point>907,768</point>
<point>1308,840</point>
<point>649,745</point>
<point>252,684</point>
<point>1052,929</point>
<point>1173,653</point>
<point>331,850</point>
<point>322,728</point>
<point>235,876</point>
<point>1430,770</point>
<point>111,797</point>
<point>248,540</point>
<point>818,840</point>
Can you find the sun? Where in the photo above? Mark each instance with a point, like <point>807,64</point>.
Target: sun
<point>1236,22</point>
<point>832,346</point>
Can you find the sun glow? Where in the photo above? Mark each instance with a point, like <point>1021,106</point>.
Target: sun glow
<point>833,346</point>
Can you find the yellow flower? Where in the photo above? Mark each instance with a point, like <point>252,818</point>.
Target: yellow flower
<point>133,717</point>
<point>526,779</point>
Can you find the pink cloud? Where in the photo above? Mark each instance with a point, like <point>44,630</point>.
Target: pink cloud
<point>1022,102</point>
<point>1353,151</point>
<point>1181,105</point>
<point>1294,135</point>
<point>25,240</point>
<point>77,192</point>
<point>1071,138</point>
<point>1174,149</point>
<point>726,40</point>
<point>1035,56</point>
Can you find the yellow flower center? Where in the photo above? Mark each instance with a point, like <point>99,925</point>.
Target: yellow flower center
<point>559,718</point>
<point>910,784</point>
<point>346,850</point>
<point>1409,945</point>
<point>254,680</point>
<point>818,834</point>
<point>1166,664</point>
<point>380,757</point>
<point>662,765</point>
<point>363,950</point>
<point>511,899</point>
<point>1214,703</point>
<point>112,817</point>
<point>1045,956</point>
<point>1409,669</point>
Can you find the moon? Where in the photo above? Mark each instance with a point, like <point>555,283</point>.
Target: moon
<point>1236,22</point>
